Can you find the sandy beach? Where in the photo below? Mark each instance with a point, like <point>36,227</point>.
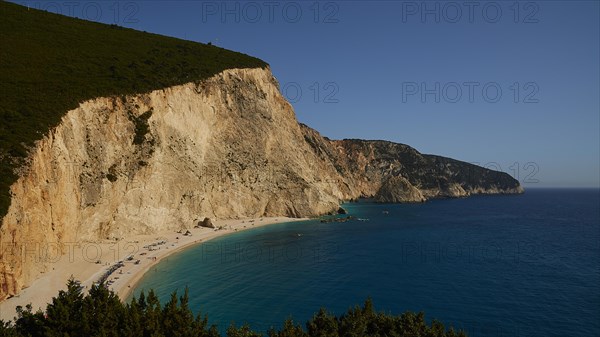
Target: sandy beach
<point>128,260</point>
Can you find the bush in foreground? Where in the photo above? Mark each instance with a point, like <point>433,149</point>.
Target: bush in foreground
<point>101,313</point>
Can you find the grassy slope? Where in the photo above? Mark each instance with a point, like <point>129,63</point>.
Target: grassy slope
<point>49,63</point>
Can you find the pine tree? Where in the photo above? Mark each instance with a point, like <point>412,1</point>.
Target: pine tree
<point>64,314</point>
<point>243,331</point>
<point>103,313</point>
<point>153,316</point>
<point>29,323</point>
<point>133,317</point>
<point>178,320</point>
<point>323,324</point>
<point>289,330</point>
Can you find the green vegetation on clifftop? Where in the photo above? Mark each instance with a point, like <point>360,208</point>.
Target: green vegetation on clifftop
<point>50,63</point>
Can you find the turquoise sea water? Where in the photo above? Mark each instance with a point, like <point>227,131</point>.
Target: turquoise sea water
<point>526,265</point>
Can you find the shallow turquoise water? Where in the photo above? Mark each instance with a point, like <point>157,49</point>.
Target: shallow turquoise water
<point>526,265</point>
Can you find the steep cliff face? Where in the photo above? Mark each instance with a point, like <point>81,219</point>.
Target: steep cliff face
<point>226,147</point>
<point>391,172</point>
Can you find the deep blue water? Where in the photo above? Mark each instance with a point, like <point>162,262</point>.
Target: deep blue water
<point>526,265</point>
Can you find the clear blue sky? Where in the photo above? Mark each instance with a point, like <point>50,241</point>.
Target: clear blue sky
<point>358,69</point>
